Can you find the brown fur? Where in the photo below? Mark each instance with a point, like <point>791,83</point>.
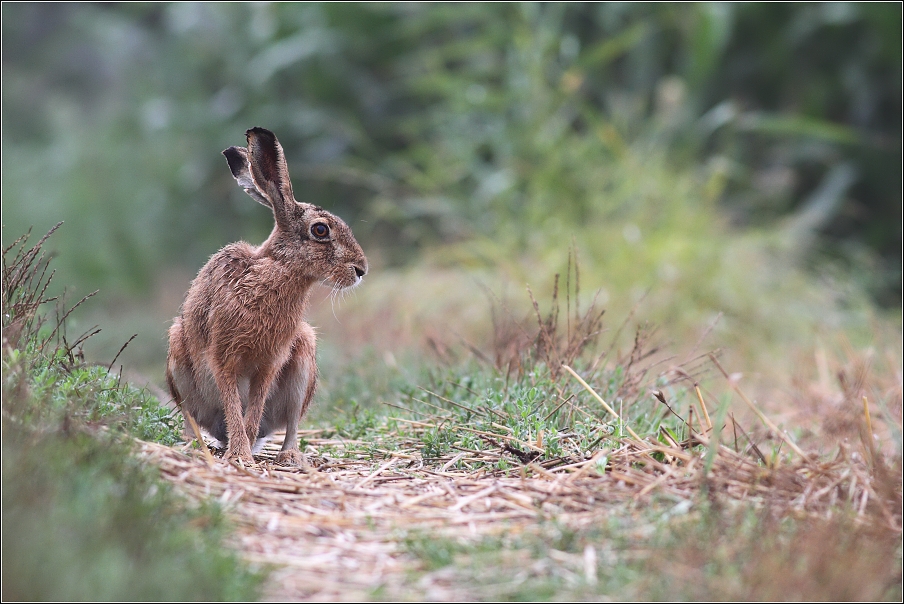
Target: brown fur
<point>241,358</point>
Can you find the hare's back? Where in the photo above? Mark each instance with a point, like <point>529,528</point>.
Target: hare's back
<point>231,263</point>
<point>226,274</point>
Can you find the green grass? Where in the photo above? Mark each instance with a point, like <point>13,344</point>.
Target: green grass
<point>534,418</point>
<point>84,518</point>
<point>86,394</point>
<point>660,550</point>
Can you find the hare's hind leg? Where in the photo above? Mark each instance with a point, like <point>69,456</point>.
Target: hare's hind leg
<point>292,395</point>
<point>177,400</point>
<point>180,388</point>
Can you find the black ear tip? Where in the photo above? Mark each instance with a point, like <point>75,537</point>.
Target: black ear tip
<point>259,132</point>
<point>236,158</point>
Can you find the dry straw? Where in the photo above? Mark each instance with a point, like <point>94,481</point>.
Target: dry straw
<point>347,511</point>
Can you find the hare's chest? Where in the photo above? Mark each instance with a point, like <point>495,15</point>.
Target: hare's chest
<point>256,310</point>
<point>255,341</point>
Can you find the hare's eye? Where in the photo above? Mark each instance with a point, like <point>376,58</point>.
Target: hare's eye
<point>320,230</point>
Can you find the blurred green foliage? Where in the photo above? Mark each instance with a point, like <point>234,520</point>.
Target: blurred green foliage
<point>520,124</point>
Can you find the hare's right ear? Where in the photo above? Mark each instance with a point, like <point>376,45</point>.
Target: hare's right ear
<point>237,157</point>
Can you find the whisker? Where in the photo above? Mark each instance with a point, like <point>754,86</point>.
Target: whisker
<point>333,308</point>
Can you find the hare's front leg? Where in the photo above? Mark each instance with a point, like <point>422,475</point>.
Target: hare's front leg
<point>295,388</point>
<point>239,445</point>
<point>259,388</point>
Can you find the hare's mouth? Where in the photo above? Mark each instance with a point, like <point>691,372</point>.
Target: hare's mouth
<point>351,276</point>
<point>359,272</point>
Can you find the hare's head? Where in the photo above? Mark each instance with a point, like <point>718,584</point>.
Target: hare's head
<point>317,243</point>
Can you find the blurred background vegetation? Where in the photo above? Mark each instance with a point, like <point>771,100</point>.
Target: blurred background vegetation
<point>742,159</point>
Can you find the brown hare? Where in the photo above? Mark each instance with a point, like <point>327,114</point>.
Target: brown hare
<point>241,357</point>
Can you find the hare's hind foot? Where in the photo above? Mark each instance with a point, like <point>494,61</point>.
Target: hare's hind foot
<point>291,457</point>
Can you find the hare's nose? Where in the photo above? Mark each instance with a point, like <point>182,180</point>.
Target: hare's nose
<point>360,271</point>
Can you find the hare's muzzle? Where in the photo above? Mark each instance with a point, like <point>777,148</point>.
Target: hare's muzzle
<point>360,271</point>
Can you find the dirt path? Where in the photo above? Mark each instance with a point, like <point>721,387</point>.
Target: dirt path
<point>339,531</point>
<point>335,532</point>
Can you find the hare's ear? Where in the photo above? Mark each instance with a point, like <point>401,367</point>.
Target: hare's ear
<point>270,173</point>
<point>237,157</point>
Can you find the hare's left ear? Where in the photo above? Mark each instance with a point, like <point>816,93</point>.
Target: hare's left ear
<point>267,164</point>
<point>237,157</point>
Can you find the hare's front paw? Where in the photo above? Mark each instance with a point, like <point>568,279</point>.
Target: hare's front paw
<point>241,451</point>
<point>292,457</point>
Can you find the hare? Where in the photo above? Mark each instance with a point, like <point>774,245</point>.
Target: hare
<point>241,357</point>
